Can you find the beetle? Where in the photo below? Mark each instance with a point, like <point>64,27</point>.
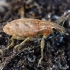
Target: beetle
<point>27,28</point>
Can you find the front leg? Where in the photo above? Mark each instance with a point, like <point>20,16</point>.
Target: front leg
<point>42,48</point>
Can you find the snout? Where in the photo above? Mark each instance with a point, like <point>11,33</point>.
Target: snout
<point>59,28</point>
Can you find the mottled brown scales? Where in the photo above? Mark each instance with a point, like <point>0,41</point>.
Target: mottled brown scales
<point>30,28</point>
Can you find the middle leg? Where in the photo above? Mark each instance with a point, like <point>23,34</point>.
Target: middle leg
<point>17,47</point>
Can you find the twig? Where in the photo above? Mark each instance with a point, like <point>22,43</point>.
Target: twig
<point>21,11</point>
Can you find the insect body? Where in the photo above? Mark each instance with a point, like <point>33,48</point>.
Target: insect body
<point>30,28</point>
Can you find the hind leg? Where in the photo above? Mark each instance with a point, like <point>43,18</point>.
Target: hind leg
<point>12,43</point>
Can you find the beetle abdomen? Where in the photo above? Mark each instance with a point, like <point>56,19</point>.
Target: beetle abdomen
<point>22,27</point>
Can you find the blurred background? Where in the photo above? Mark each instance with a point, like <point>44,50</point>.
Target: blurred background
<point>41,9</point>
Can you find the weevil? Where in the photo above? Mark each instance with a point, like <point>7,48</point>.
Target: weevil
<point>26,28</point>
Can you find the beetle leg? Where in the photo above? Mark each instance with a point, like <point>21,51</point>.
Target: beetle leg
<point>42,47</point>
<point>17,47</point>
<point>12,43</point>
